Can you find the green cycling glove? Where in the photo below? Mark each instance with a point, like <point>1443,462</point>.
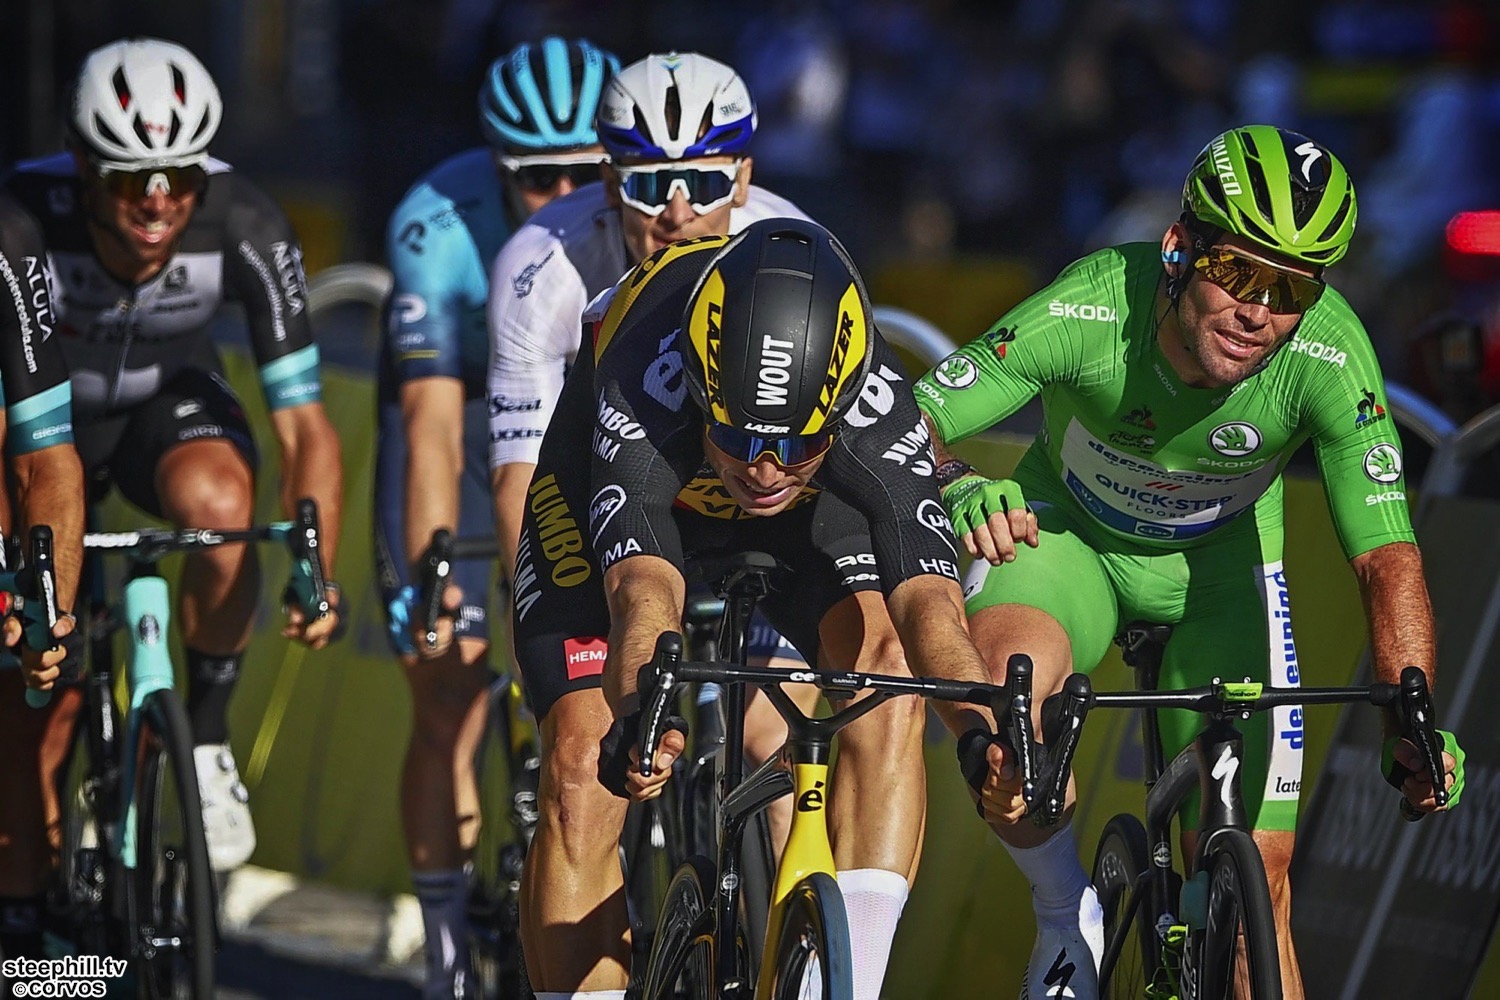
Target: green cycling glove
<point>971,501</point>
<point>1396,772</point>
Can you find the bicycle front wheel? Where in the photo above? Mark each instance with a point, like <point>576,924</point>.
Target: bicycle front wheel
<point>681,964</point>
<point>1119,868</point>
<point>1238,942</point>
<point>173,898</point>
<point>813,957</point>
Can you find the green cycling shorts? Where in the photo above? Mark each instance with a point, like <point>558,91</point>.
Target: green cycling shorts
<point>1226,600</point>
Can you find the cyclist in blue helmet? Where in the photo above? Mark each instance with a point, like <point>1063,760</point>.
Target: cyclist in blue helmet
<point>536,109</point>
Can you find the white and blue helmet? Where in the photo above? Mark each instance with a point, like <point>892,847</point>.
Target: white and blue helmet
<point>676,106</point>
<point>543,96</point>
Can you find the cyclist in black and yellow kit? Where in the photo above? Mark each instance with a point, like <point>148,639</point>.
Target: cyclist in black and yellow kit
<point>748,364</point>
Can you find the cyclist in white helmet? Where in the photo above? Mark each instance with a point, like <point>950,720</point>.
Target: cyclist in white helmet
<point>536,109</point>
<point>143,256</point>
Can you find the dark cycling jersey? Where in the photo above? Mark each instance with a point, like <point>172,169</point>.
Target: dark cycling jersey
<point>34,389</point>
<point>871,518</point>
<point>124,343</point>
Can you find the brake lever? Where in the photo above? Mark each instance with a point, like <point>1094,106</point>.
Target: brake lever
<point>1019,732</point>
<point>39,614</point>
<point>655,683</point>
<point>308,586</point>
<point>1062,728</point>
<point>437,569</point>
<point>1418,724</point>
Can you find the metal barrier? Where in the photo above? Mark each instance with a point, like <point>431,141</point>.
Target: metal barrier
<point>369,284</point>
<point>1450,463</point>
<point>911,332</point>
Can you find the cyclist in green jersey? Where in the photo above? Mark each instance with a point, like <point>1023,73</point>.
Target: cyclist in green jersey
<point>1177,380</point>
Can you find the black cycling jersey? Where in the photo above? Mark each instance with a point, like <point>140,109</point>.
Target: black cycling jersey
<point>34,388</point>
<point>871,517</point>
<point>124,343</point>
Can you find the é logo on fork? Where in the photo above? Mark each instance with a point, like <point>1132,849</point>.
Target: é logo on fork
<point>812,800</point>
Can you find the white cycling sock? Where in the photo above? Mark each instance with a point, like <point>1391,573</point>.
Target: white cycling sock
<point>590,995</point>
<point>443,896</point>
<point>874,899</point>
<point>1061,893</point>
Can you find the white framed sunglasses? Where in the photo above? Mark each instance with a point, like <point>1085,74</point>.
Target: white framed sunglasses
<point>651,188</point>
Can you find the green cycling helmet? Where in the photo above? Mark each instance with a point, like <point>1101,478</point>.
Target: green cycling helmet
<point>1277,188</point>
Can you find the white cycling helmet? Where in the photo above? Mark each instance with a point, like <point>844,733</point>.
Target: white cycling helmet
<point>142,102</point>
<point>676,106</point>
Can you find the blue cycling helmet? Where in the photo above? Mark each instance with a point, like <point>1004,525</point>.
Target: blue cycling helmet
<point>543,96</point>
<point>676,106</point>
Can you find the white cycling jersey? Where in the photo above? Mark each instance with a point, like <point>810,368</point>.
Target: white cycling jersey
<point>540,283</point>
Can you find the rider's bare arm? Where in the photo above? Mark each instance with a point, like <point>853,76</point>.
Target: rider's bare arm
<point>509,482</point>
<point>645,595</point>
<point>928,612</point>
<point>1394,591</point>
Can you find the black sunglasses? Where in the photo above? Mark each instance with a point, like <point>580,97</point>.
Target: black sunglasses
<point>546,176</point>
<point>133,185</point>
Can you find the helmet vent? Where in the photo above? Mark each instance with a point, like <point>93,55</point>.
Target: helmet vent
<point>106,131</point>
<point>202,126</point>
<point>140,132</point>
<point>1338,220</point>
<point>674,112</point>
<point>1252,150</point>
<point>122,89</point>
<point>175,129</point>
<point>642,126</point>
<point>179,84</point>
<point>1255,232</point>
<point>1261,192</point>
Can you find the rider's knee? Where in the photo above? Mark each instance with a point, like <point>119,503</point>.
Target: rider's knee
<point>210,497</point>
<point>571,798</point>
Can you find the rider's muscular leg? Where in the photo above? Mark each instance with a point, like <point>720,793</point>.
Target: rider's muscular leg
<point>879,799</point>
<point>33,743</point>
<point>573,920</point>
<point>207,484</point>
<point>880,788</point>
<point>439,804</point>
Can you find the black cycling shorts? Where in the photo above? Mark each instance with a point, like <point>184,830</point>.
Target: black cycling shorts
<point>561,637</point>
<point>124,448</point>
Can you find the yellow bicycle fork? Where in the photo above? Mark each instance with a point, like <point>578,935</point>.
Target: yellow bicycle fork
<point>807,851</point>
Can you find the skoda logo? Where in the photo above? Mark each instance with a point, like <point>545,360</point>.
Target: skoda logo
<point>1234,439</point>
<point>1383,463</point>
<point>957,372</point>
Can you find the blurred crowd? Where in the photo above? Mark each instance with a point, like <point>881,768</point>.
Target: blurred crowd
<point>927,129</point>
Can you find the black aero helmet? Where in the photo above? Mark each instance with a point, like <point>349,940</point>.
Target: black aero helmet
<point>776,336</point>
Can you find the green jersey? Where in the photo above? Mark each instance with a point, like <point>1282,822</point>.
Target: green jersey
<point>1159,462</point>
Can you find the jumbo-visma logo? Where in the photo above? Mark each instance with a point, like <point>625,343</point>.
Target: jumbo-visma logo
<point>1235,438</point>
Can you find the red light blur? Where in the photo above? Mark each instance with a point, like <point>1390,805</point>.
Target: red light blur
<point>1475,233</point>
